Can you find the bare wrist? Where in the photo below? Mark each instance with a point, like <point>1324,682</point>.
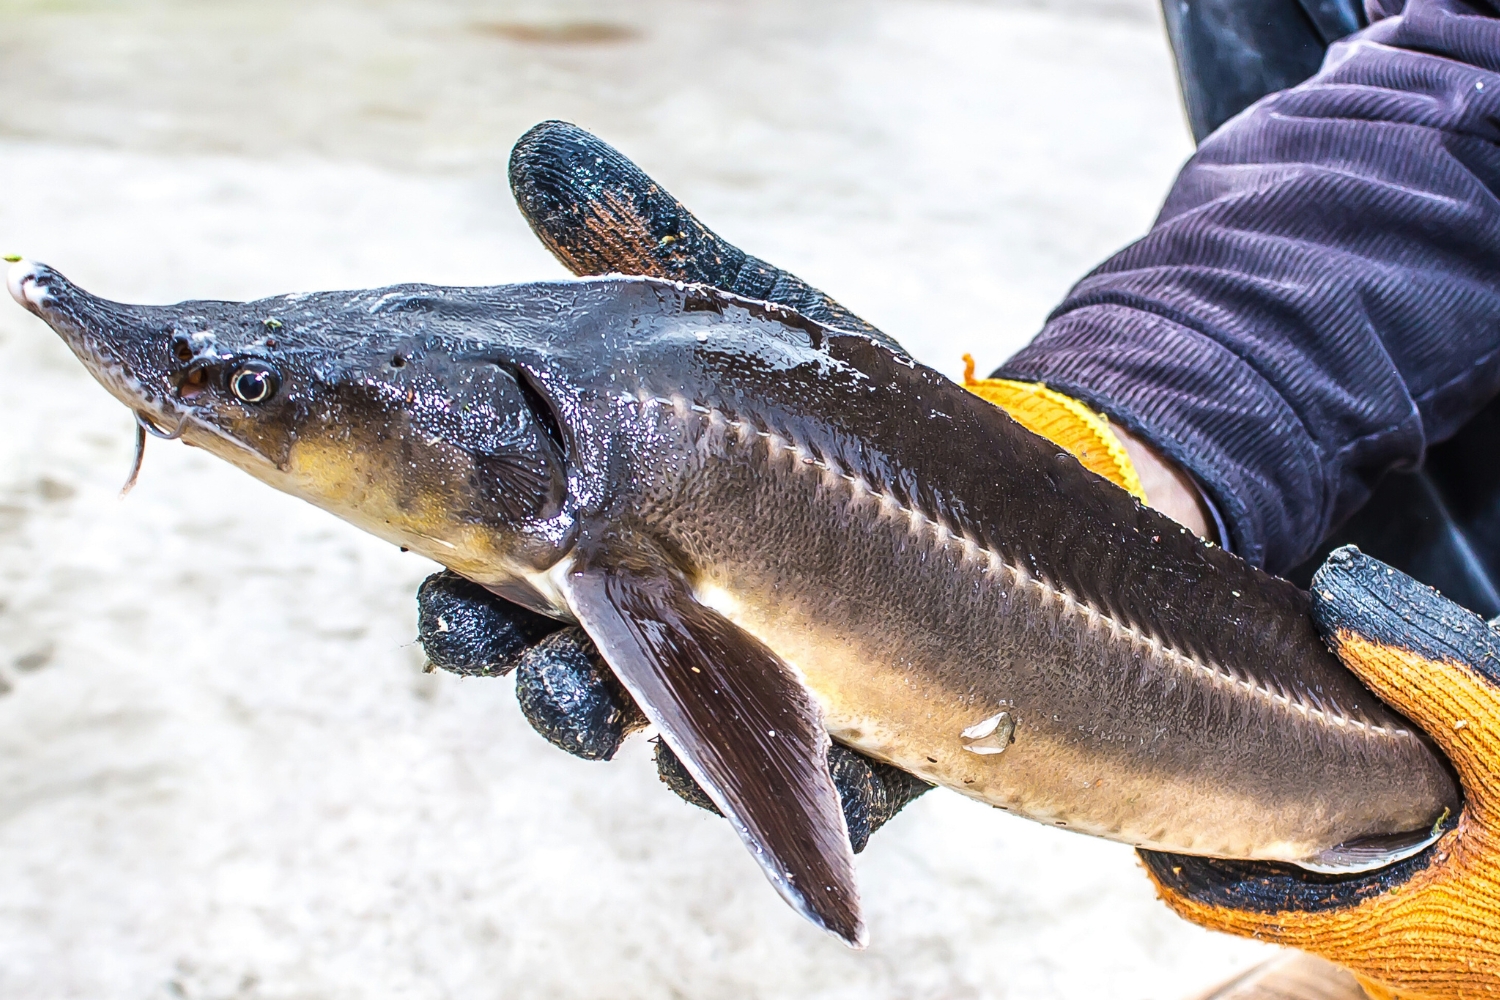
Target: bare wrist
<point>1168,488</point>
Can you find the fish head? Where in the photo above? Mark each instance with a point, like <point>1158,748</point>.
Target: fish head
<point>490,429</point>
<point>374,405</point>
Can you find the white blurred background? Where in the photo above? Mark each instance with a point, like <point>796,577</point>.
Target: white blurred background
<point>223,773</point>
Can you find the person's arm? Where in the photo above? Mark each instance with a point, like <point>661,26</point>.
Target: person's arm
<point>1319,299</point>
<point>1169,489</point>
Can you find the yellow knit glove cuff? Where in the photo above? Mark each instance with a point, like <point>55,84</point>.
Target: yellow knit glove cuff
<point>1062,420</point>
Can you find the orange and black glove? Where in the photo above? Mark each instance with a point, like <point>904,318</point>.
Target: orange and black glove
<point>1429,926</point>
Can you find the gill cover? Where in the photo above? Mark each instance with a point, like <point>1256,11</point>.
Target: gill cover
<point>503,425</point>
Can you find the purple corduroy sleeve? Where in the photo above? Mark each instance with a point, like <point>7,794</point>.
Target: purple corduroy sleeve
<point>1319,299</point>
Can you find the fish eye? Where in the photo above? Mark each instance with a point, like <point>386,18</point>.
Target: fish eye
<point>254,382</point>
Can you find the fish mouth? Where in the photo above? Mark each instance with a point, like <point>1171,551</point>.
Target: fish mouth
<point>116,343</point>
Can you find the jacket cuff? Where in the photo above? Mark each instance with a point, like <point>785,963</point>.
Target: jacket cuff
<point>1203,407</point>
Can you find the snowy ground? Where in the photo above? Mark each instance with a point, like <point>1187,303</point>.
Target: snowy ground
<point>223,772</point>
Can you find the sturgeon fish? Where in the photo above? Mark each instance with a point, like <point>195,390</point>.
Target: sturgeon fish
<point>777,533</point>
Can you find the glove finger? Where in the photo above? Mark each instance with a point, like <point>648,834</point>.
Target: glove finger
<point>1429,658</point>
<point>676,777</point>
<point>465,629</point>
<point>599,213</point>
<point>571,697</point>
<point>871,792</point>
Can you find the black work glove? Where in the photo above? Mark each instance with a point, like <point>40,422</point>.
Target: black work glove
<point>599,214</point>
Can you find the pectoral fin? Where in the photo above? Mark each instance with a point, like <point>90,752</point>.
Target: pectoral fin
<point>742,723</point>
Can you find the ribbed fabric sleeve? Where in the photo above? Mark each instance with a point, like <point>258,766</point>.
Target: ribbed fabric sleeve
<point>1319,298</point>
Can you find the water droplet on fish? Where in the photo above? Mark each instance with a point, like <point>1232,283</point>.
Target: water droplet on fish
<point>991,736</point>
<point>701,337</point>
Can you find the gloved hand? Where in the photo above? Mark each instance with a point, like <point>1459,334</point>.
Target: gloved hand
<point>1428,926</point>
<point>599,213</point>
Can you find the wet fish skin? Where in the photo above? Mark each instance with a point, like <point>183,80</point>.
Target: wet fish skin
<point>928,565</point>
<point>809,500</point>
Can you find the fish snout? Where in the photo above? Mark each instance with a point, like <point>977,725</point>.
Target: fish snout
<point>73,314</point>
<point>27,281</point>
<point>124,347</point>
